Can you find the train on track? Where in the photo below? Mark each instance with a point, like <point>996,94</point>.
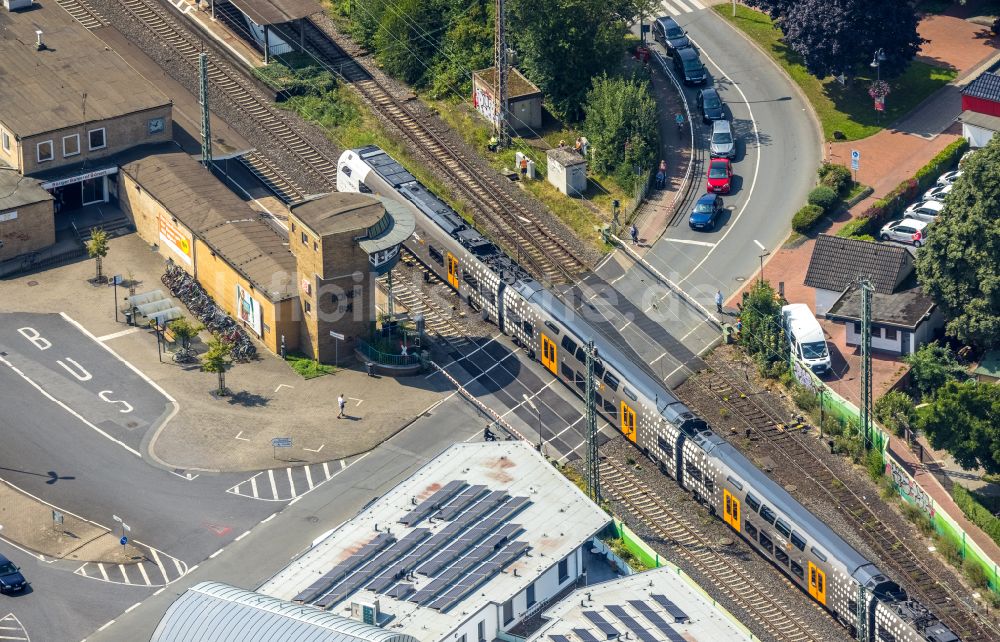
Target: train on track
<point>682,444</point>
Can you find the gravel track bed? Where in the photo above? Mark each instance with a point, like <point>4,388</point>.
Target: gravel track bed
<point>739,552</point>
<point>178,69</point>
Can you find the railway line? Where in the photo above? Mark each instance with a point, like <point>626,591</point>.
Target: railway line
<point>904,563</point>
<point>770,613</point>
<point>437,315</point>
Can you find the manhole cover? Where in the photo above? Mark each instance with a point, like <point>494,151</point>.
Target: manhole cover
<point>32,284</point>
<point>741,278</point>
<point>312,519</point>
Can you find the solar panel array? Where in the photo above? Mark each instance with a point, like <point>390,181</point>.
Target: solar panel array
<point>647,612</point>
<point>585,635</point>
<point>477,544</point>
<point>631,623</point>
<point>559,638</point>
<point>672,609</point>
<point>605,627</point>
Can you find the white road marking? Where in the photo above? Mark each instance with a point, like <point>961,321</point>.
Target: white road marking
<point>238,538</point>
<point>360,401</point>
<point>253,486</point>
<point>124,574</point>
<point>316,450</point>
<point>104,573</point>
<point>215,554</point>
<point>163,571</point>
<point>10,618</point>
<point>133,607</point>
<point>291,483</point>
<point>683,6</point>
<point>309,478</point>
<point>241,437</point>
<point>282,385</point>
<point>274,487</point>
<point>115,335</point>
<point>142,571</point>
<point>343,464</point>
<point>180,567</point>
<point>658,358</point>
<point>759,244</point>
<point>106,625</point>
<point>688,242</point>
<point>454,361</point>
<point>326,468</point>
<point>697,5</point>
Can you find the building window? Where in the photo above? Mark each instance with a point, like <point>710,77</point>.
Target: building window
<point>315,246</point>
<point>155,126</point>
<point>508,612</point>
<point>71,145</point>
<point>531,594</point>
<point>890,334</point>
<point>6,141</point>
<point>293,227</point>
<point>45,152</point>
<point>563,570</point>
<point>305,239</point>
<point>482,631</point>
<point>97,139</point>
<point>857,327</point>
<point>308,307</point>
<point>462,638</point>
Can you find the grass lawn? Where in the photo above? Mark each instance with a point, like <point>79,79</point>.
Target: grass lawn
<point>308,368</point>
<point>848,109</point>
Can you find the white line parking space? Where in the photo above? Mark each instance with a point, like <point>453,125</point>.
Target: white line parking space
<point>282,485</point>
<point>12,629</point>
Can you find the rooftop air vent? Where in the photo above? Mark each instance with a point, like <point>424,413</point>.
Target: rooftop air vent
<point>16,5</point>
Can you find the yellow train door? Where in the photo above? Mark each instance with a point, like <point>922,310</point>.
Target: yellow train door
<point>731,510</point>
<point>628,422</point>
<point>452,270</point>
<point>549,355</point>
<point>817,583</point>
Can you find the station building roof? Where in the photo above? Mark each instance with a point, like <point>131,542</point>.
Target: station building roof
<point>44,91</point>
<point>550,519</point>
<point>662,603</point>
<point>339,212</point>
<point>274,12</point>
<point>214,612</point>
<point>19,191</point>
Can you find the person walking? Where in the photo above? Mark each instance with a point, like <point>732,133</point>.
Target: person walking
<point>718,301</point>
<point>343,404</point>
<point>634,233</point>
<point>524,167</point>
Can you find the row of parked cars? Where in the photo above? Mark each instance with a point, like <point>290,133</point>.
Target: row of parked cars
<point>919,216</point>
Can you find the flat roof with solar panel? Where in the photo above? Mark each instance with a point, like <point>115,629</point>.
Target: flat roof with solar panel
<point>657,605</point>
<point>472,529</point>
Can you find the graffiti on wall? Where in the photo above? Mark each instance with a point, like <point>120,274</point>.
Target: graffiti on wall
<point>908,486</point>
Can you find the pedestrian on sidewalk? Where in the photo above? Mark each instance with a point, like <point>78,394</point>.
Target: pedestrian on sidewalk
<point>718,301</point>
<point>634,233</point>
<point>342,403</point>
<point>661,175</point>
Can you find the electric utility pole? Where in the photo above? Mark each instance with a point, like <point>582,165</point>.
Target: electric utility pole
<point>593,461</point>
<point>866,359</point>
<point>206,120</point>
<point>501,71</point>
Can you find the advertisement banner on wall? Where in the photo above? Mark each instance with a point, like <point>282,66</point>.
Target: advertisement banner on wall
<point>248,310</point>
<point>175,239</point>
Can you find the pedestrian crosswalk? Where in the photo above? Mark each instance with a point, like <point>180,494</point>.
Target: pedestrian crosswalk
<point>285,484</point>
<point>680,7</point>
<point>12,629</point>
<point>155,569</point>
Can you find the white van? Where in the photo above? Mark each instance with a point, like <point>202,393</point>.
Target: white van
<point>805,337</point>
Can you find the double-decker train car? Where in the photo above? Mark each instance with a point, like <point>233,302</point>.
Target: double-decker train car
<point>632,398</point>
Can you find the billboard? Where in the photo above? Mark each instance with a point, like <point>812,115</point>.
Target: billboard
<point>248,310</point>
<point>175,239</point>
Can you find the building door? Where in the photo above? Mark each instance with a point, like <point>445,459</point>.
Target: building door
<point>817,583</point>
<point>904,342</point>
<point>93,190</point>
<point>69,197</point>
<point>628,422</point>
<point>731,510</point>
<point>452,270</point>
<point>549,354</point>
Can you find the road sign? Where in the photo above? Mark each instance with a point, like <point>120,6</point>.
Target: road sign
<point>117,279</point>
<point>855,159</point>
<point>281,442</point>
<point>123,541</point>
<point>57,517</point>
<point>336,335</point>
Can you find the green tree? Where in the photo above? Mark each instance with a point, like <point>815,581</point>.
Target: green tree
<point>563,44</point>
<point>97,249</point>
<point>762,335</point>
<point>217,359</point>
<point>959,267</point>
<point>621,126</point>
<point>184,330</point>
<point>895,410</point>
<point>408,37</point>
<point>931,366</point>
<point>467,46</point>
<point>964,419</point>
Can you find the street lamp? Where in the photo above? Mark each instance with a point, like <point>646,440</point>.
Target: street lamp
<point>538,418</point>
<point>762,257</point>
<point>876,64</point>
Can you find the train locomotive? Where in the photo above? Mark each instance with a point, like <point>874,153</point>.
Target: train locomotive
<point>682,444</point>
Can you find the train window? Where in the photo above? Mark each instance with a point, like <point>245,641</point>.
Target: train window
<point>611,409</point>
<point>598,400</point>
<point>568,344</point>
<point>766,543</point>
<point>781,556</point>
<point>364,189</point>
<point>661,443</point>
<point>798,541</point>
<point>628,393</point>
<point>552,326</point>
<point>567,372</point>
<point>884,635</point>
<point>735,482</point>
<point>345,170</point>
<point>797,571</point>
<point>783,528</point>
<point>528,328</point>
<point>692,471</point>
<point>470,279</point>
<point>435,254</point>
<point>581,356</point>
<point>709,484</point>
<point>581,381</point>
<point>767,514</point>
<point>751,530</point>
<point>611,380</point>
<point>818,554</point>
<point>752,502</point>
<point>598,369</point>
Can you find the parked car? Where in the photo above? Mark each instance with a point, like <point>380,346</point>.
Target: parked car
<point>949,177</point>
<point>937,193</point>
<point>706,212</point>
<point>907,230</point>
<point>720,176</point>
<point>710,105</point>
<point>688,66</point>
<point>669,34</point>
<point>11,580</point>
<point>722,144</point>
<point>926,211</point>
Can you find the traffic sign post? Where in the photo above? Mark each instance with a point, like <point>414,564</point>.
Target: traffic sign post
<point>280,442</point>
<point>855,163</point>
<point>116,280</point>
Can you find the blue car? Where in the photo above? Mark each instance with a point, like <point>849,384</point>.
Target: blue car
<point>706,212</point>
<point>11,580</point>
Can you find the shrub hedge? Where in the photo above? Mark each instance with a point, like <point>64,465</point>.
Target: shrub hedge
<point>976,512</point>
<point>824,197</point>
<point>836,177</point>
<point>945,160</point>
<point>806,217</point>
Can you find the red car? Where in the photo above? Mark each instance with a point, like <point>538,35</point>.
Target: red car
<point>720,175</point>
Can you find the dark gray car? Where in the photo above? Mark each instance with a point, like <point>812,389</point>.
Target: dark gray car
<point>710,105</point>
<point>688,66</point>
<point>669,34</point>
<point>11,579</point>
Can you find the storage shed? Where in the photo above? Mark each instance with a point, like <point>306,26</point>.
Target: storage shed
<point>567,171</point>
<point>524,100</point>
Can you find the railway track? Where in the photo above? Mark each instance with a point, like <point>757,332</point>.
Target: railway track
<point>771,614</point>
<point>243,96</point>
<point>531,241</point>
<point>83,13</point>
<point>437,315</point>
<point>905,564</point>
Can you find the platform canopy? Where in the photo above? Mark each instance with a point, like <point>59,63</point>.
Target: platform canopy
<point>276,12</point>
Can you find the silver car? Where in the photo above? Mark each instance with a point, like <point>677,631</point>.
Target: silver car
<point>926,211</point>
<point>723,145</point>
<point>938,193</point>
<point>949,177</point>
<point>907,230</point>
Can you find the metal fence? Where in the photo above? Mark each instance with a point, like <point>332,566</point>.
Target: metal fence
<point>383,358</point>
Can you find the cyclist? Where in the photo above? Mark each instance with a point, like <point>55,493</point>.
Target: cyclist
<point>679,119</point>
